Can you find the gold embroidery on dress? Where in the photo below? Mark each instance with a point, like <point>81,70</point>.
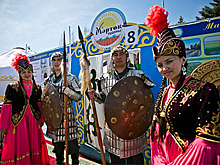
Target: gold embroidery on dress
<point>191,90</point>
<point>17,117</point>
<point>182,144</point>
<point>187,95</point>
<point>7,101</point>
<point>212,128</point>
<point>27,85</point>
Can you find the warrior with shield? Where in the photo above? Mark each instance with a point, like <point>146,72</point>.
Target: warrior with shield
<point>128,102</point>
<point>72,91</point>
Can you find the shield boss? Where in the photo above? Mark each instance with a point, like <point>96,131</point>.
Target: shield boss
<point>209,72</point>
<point>129,108</point>
<point>51,108</point>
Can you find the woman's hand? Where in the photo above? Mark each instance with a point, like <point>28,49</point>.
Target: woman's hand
<point>91,93</point>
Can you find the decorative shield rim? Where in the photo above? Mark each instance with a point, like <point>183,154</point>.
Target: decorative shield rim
<point>131,117</point>
<point>53,109</point>
<point>208,72</point>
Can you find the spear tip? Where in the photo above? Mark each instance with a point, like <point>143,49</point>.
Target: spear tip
<point>80,33</point>
<point>64,47</point>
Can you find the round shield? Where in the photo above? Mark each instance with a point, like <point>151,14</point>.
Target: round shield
<point>51,108</point>
<point>209,72</point>
<point>129,108</point>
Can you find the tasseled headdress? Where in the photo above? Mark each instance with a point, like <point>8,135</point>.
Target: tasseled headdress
<point>167,42</point>
<point>21,62</point>
<point>167,45</point>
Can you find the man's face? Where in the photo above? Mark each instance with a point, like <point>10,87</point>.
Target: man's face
<point>119,58</point>
<point>56,61</point>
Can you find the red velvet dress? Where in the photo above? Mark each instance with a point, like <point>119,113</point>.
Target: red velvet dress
<point>24,142</point>
<point>193,120</point>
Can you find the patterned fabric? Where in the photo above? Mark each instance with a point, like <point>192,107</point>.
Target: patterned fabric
<point>113,144</point>
<point>73,85</point>
<point>16,95</point>
<point>198,152</point>
<point>23,143</point>
<point>191,113</point>
<point>168,44</point>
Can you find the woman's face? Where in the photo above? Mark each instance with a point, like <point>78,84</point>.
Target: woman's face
<point>26,75</point>
<point>170,67</point>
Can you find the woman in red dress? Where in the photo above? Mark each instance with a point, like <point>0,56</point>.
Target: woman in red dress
<point>21,118</point>
<point>186,123</point>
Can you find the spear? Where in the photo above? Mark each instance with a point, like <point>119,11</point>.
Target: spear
<point>65,100</point>
<point>86,81</point>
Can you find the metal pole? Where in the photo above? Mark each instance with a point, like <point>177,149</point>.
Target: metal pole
<point>65,101</point>
<point>26,49</point>
<point>69,59</point>
<point>163,3</point>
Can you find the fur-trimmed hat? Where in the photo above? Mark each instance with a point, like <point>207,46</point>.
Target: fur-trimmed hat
<point>56,54</point>
<point>119,48</point>
<point>167,42</point>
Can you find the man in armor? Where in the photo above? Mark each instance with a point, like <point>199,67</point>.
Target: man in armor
<point>121,151</point>
<point>72,91</point>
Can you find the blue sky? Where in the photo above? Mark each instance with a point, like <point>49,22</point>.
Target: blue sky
<point>40,23</point>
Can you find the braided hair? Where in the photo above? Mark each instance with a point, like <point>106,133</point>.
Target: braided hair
<point>157,105</point>
<point>157,108</point>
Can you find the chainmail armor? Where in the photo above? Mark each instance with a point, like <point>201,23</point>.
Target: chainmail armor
<point>113,144</point>
<point>73,84</point>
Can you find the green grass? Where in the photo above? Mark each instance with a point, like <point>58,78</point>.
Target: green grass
<point>212,48</point>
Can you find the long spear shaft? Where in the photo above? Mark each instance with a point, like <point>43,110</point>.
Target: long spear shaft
<point>66,126</point>
<point>93,102</point>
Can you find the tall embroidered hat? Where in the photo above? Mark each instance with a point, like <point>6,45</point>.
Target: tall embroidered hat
<point>167,42</point>
<point>21,62</point>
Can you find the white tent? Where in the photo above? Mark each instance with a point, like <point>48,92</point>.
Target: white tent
<point>7,73</point>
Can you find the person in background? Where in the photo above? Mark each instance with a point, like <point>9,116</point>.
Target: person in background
<point>21,118</point>
<point>72,91</point>
<point>121,151</point>
<point>186,123</point>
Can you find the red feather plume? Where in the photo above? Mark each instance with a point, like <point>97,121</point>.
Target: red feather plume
<point>156,19</point>
<point>15,61</point>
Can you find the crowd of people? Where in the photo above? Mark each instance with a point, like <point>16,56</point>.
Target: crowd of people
<point>185,125</point>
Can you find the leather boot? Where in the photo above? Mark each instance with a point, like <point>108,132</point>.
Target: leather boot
<point>60,158</point>
<point>75,159</point>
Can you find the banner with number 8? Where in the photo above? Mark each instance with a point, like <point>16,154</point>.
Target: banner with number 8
<point>131,35</point>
